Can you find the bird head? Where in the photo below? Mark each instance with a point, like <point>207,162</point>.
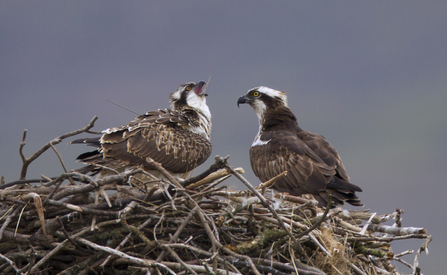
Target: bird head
<point>263,98</point>
<point>191,95</point>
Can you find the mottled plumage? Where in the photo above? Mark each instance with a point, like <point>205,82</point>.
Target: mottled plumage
<point>313,165</point>
<point>179,139</point>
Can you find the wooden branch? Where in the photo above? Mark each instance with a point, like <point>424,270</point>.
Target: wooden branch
<point>178,232</point>
<point>218,164</point>
<point>192,226</point>
<point>323,217</point>
<point>424,247</point>
<point>267,205</point>
<point>27,161</point>
<point>62,162</point>
<point>396,230</point>
<point>11,263</point>
<point>125,240</point>
<point>145,262</point>
<point>212,177</point>
<point>14,210</point>
<point>270,182</point>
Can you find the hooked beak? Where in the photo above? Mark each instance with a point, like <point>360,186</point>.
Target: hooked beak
<point>200,89</point>
<point>242,100</point>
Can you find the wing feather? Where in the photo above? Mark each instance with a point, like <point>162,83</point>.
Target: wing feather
<point>162,135</point>
<point>313,165</point>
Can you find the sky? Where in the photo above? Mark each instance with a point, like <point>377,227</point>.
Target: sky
<point>369,76</point>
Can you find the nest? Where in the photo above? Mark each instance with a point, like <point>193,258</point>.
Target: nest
<point>75,224</point>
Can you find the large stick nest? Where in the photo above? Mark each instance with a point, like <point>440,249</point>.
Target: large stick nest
<point>75,224</point>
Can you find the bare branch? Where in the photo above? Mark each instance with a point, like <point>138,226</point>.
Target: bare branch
<point>191,227</point>
<point>57,140</point>
<point>267,205</point>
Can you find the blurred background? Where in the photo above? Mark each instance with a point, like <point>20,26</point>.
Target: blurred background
<point>370,77</point>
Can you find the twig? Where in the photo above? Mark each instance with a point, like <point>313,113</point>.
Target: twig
<point>125,240</point>
<point>175,255</point>
<point>27,161</point>
<point>61,161</point>
<point>396,230</point>
<point>61,245</point>
<point>267,205</point>
<point>270,182</point>
<point>423,248</point>
<point>203,229</point>
<point>214,241</point>
<point>143,262</point>
<point>218,164</point>
<point>403,262</point>
<point>357,270</point>
<point>367,224</point>
<point>11,263</point>
<point>9,184</point>
<point>323,217</point>
<point>212,177</point>
<point>8,220</point>
<point>178,232</point>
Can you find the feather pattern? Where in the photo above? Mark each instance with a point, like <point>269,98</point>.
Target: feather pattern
<point>313,165</point>
<point>169,137</point>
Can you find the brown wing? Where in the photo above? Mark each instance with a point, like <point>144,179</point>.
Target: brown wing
<point>326,153</point>
<point>285,152</point>
<point>161,135</point>
<point>313,166</point>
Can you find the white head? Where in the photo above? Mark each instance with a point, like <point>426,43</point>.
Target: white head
<point>193,95</point>
<point>262,98</point>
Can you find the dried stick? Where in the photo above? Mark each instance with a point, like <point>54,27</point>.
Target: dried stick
<point>357,270</point>
<point>27,161</point>
<point>396,230</point>
<point>163,171</point>
<point>386,239</point>
<point>8,220</point>
<point>9,184</point>
<point>84,209</point>
<point>173,180</point>
<point>403,262</point>
<point>270,182</point>
<point>125,240</point>
<point>220,246</point>
<point>115,252</point>
<point>62,162</point>
<point>147,263</point>
<point>218,164</point>
<point>175,255</point>
<point>178,232</point>
<point>212,177</point>
<point>267,205</point>
<point>315,225</point>
<point>275,221</point>
<point>300,267</point>
<point>11,263</point>
<point>423,248</point>
<point>93,184</point>
<point>62,244</point>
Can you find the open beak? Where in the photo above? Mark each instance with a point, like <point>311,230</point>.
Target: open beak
<point>200,88</point>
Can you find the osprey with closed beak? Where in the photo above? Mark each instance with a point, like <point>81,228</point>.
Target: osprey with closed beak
<point>312,164</point>
<point>178,138</point>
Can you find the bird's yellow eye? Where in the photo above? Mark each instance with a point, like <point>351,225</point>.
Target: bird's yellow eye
<point>188,88</point>
<point>256,93</point>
